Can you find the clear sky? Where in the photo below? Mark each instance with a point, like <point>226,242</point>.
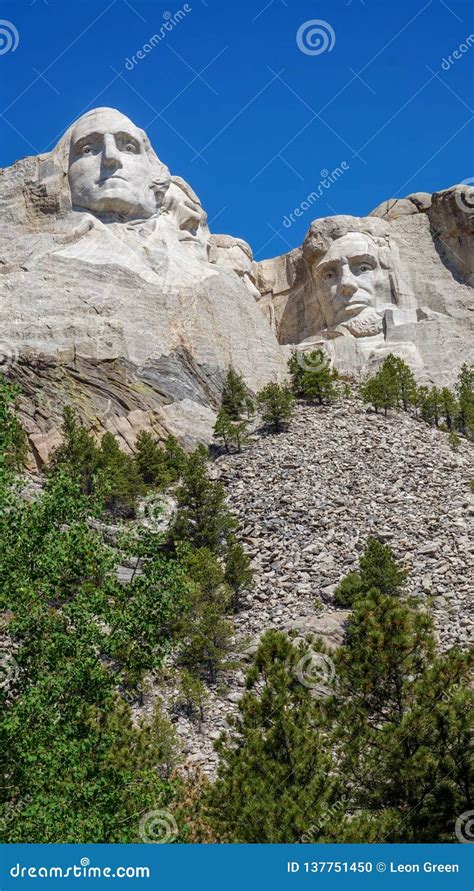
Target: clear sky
<point>252,102</point>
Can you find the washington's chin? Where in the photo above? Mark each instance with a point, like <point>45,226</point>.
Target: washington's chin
<point>115,202</point>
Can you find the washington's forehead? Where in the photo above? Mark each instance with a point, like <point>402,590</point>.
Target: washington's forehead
<point>106,121</point>
<point>349,245</point>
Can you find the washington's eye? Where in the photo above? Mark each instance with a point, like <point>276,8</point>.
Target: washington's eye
<point>131,148</point>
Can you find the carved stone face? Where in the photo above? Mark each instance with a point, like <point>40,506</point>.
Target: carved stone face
<point>351,284</point>
<point>187,216</point>
<point>111,166</point>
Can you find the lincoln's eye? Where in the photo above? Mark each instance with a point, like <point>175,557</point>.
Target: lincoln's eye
<point>329,276</point>
<point>364,267</point>
<point>86,150</point>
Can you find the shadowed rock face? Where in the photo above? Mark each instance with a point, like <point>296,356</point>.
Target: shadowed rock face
<point>397,281</point>
<point>108,296</point>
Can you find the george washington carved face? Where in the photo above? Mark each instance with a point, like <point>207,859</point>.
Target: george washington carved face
<point>112,167</point>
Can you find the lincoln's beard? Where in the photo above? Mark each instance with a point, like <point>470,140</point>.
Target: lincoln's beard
<point>367,323</point>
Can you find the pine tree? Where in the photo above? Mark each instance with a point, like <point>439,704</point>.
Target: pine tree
<point>402,715</point>
<point>432,406</point>
<point>465,395</point>
<point>396,369</point>
<point>449,407</point>
<point>381,391</point>
<point>238,571</point>
<point>150,460</point>
<point>203,518</point>
<point>232,433</point>
<point>275,774</point>
<point>119,478</point>
<point>276,403</point>
<point>235,395</point>
<point>13,441</point>
<point>78,453</point>
<point>312,377</point>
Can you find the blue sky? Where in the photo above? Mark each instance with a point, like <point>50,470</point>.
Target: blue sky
<point>234,104</point>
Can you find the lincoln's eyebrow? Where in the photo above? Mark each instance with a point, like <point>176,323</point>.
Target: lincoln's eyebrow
<point>363,258</point>
<point>326,265</point>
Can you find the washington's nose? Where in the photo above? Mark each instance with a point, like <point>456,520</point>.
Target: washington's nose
<point>110,153</point>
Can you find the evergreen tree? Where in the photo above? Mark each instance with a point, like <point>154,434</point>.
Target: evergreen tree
<point>432,406</point>
<point>118,478</point>
<point>312,377</point>
<point>402,715</point>
<point>232,433</point>
<point>238,570</point>
<point>78,454</point>
<point>397,370</point>
<point>13,442</point>
<point>276,403</point>
<point>465,396</point>
<point>150,460</point>
<point>276,773</point>
<point>448,406</point>
<point>202,519</point>
<point>381,390</point>
<point>235,395</point>
<point>348,590</point>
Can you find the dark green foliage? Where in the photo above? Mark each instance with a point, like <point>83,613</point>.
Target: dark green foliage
<point>348,590</point>
<point>159,467</point>
<point>203,518</point>
<point>402,715</point>
<point>276,402</point>
<point>192,695</point>
<point>232,433</point>
<point>13,443</point>
<point>449,407</point>
<point>205,632</point>
<point>465,397</point>
<point>396,369</point>
<point>276,770</point>
<point>78,768</point>
<point>78,454</point>
<point>235,396</point>
<point>378,569</point>
<point>238,570</point>
<point>386,757</point>
<point>312,377</point>
<point>432,406</point>
<point>118,479</point>
<point>381,390</point>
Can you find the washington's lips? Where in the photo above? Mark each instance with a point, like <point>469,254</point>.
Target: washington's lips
<point>110,179</point>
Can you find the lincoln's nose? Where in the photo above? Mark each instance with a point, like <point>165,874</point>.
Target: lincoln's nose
<point>110,154</point>
<point>348,287</point>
